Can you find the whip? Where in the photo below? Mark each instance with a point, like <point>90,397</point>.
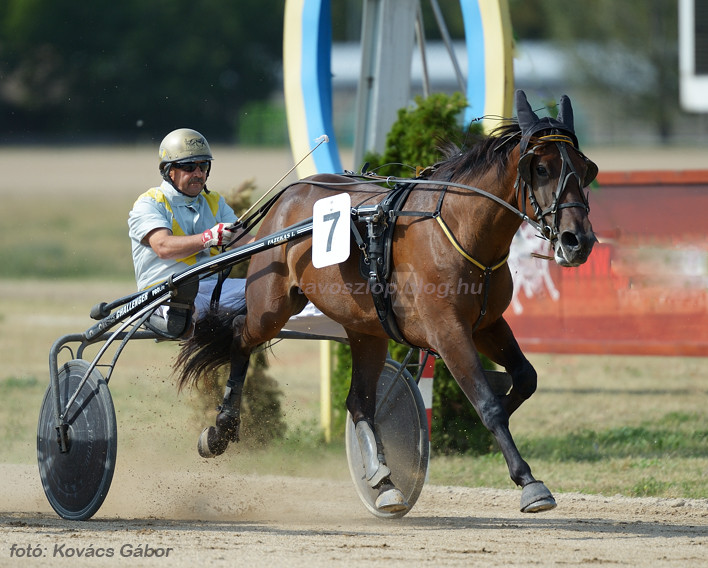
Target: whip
<point>321,140</point>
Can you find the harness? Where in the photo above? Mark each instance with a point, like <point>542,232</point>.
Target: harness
<point>375,259</point>
<point>380,220</point>
<point>376,251</point>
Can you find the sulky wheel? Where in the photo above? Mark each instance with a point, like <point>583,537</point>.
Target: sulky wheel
<point>402,424</point>
<point>77,482</point>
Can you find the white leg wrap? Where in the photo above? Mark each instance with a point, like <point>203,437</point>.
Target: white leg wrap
<point>374,468</point>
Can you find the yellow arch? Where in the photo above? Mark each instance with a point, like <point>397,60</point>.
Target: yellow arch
<point>498,61</point>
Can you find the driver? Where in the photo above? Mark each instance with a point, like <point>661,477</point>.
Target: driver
<point>181,222</point>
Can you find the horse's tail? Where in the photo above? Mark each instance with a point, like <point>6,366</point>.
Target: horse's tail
<point>208,348</point>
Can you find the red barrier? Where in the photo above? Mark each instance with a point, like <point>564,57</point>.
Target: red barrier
<point>644,289</point>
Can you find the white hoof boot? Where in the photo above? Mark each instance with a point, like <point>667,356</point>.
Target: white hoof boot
<point>203,444</point>
<point>376,471</point>
<point>391,501</point>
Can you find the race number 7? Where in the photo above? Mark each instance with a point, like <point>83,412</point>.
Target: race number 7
<point>331,234</point>
<point>334,217</point>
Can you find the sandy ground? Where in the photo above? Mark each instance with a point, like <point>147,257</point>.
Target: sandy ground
<point>210,519</point>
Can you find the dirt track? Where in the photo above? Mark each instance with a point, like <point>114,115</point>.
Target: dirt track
<point>211,519</point>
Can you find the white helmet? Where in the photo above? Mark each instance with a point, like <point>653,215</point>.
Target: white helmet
<point>183,145</point>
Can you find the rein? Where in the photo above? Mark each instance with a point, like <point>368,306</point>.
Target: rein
<point>549,233</point>
<point>522,185</point>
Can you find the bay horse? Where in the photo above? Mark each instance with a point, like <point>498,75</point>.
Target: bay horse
<point>527,170</point>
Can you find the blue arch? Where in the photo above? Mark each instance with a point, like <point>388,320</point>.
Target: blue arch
<point>312,37</point>
<point>476,75</point>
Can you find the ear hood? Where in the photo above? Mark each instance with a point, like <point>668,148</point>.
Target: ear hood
<point>530,123</point>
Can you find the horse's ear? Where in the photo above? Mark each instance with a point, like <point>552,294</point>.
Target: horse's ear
<point>527,117</point>
<point>565,113</point>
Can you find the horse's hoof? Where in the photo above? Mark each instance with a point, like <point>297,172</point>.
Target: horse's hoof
<point>210,444</point>
<point>391,501</point>
<point>535,497</point>
<point>228,424</point>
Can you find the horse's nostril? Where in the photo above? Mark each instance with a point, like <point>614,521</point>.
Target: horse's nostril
<point>569,240</point>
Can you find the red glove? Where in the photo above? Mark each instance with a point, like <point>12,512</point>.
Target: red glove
<point>219,235</point>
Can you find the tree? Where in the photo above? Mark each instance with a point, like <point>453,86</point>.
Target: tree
<point>135,69</point>
<point>628,49</point>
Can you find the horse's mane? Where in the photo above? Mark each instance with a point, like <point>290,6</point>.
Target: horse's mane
<point>480,153</point>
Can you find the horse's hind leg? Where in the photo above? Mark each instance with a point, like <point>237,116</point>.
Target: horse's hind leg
<point>215,439</point>
<point>368,357</point>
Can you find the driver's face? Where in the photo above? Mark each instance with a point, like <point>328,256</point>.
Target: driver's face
<point>190,182</point>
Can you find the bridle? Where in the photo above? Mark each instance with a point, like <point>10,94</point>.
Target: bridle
<point>524,187</point>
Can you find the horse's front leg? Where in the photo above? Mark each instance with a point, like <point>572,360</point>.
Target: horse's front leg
<point>368,358</point>
<point>497,342</point>
<point>215,439</point>
<point>466,367</point>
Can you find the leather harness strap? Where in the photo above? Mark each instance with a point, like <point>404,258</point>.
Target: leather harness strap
<point>379,245</point>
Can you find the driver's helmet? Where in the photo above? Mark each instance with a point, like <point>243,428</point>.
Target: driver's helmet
<point>183,145</point>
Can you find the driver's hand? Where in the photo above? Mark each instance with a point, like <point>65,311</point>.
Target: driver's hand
<point>220,234</point>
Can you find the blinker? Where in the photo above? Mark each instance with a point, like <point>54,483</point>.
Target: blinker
<point>591,172</point>
<point>525,168</point>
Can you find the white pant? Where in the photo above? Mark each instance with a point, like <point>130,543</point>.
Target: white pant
<point>233,297</point>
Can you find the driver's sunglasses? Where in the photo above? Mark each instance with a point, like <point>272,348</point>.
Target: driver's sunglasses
<point>191,166</point>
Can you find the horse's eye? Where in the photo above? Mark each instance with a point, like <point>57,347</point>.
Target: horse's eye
<point>541,171</point>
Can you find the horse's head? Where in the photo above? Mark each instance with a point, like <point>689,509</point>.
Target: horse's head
<point>553,173</point>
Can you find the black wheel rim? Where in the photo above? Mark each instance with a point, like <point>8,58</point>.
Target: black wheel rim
<point>77,482</point>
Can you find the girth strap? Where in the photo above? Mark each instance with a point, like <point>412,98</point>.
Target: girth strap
<point>377,257</point>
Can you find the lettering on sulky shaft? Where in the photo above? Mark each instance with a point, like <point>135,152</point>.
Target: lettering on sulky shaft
<point>280,238</point>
